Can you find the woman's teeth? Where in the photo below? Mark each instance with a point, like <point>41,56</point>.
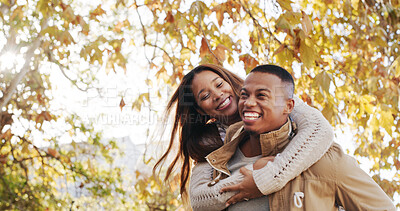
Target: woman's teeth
<point>223,104</point>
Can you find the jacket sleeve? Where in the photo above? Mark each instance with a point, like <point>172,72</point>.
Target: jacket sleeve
<point>356,190</point>
<point>313,139</point>
<point>203,197</point>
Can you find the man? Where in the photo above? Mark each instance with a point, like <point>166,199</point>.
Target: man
<point>264,105</point>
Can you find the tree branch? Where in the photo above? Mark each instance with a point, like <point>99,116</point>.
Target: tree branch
<point>258,23</point>
<point>204,35</point>
<point>18,78</point>
<point>148,43</point>
<point>7,94</point>
<point>62,69</point>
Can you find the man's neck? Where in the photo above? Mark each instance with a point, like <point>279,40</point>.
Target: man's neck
<point>251,147</point>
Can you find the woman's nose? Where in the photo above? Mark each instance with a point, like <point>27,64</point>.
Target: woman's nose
<point>217,95</point>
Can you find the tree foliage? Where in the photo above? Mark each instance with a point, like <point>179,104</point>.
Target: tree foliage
<point>37,170</point>
<point>344,55</point>
<point>152,194</point>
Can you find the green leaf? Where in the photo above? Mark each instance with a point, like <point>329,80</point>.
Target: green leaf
<point>282,23</point>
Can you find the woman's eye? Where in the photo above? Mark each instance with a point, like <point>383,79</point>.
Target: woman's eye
<point>243,95</point>
<point>205,97</point>
<point>219,84</point>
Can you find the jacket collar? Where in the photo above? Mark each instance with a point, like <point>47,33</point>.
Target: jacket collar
<point>271,143</point>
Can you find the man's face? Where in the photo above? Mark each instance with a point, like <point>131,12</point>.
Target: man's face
<point>263,103</point>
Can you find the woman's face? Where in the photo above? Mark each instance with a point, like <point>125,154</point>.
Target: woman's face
<point>214,96</point>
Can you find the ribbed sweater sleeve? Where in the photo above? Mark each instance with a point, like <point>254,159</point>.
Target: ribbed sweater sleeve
<point>203,197</point>
<point>313,139</point>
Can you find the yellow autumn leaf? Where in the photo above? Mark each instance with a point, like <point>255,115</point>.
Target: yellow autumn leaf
<point>374,123</point>
<point>185,54</point>
<point>147,96</point>
<point>306,23</point>
<point>386,121</point>
<point>307,53</point>
<point>395,67</point>
<point>369,108</point>
<point>285,4</point>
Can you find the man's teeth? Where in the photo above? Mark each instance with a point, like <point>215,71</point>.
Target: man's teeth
<point>224,103</point>
<point>251,116</point>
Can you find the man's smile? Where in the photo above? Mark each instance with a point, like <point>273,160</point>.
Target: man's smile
<point>250,116</point>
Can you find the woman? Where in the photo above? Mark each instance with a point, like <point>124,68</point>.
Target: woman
<point>210,92</point>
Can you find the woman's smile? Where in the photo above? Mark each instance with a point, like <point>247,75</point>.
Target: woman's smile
<point>214,96</point>
<point>227,102</point>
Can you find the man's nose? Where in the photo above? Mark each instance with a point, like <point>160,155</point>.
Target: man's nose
<point>250,102</point>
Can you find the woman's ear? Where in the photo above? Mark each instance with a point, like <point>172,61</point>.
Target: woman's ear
<point>198,109</point>
<point>289,106</point>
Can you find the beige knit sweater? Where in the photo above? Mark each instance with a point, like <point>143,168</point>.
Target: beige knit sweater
<point>314,137</point>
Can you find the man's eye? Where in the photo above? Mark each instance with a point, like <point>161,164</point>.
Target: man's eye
<point>243,95</point>
<point>261,95</point>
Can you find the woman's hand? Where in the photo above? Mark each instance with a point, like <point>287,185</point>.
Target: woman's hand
<point>260,163</point>
<point>247,188</point>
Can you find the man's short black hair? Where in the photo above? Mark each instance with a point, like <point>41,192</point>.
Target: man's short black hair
<point>283,74</point>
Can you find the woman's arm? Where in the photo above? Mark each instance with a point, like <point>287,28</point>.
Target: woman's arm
<point>203,197</point>
<point>313,139</point>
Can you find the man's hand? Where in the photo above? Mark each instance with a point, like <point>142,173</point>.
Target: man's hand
<point>262,162</point>
<point>247,188</point>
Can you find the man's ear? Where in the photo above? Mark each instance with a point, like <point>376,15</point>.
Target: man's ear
<point>289,106</point>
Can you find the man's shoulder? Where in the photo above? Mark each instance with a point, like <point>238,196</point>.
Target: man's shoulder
<point>232,129</point>
<point>335,158</point>
<point>333,164</point>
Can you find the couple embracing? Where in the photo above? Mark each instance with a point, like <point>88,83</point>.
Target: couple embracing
<point>256,147</point>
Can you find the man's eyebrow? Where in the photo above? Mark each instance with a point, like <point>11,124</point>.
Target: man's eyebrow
<point>258,90</point>
<point>198,95</point>
<point>264,89</point>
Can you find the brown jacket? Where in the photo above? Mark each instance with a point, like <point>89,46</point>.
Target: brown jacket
<point>336,179</point>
